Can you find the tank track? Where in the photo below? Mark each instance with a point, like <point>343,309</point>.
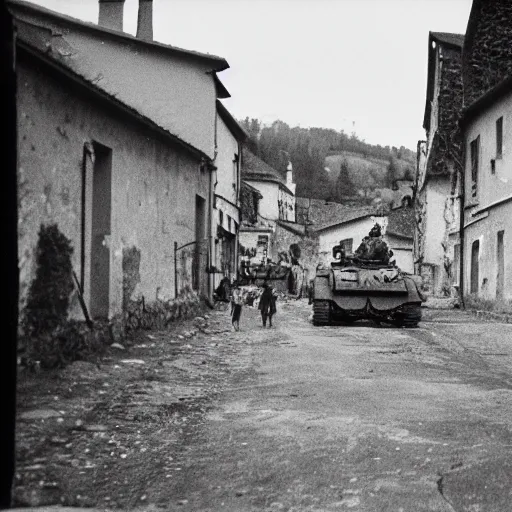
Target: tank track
<point>321,312</point>
<point>408,316</point>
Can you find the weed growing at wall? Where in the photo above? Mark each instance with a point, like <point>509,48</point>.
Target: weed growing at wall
<point>52,339</point>
<point>501,306</point>
<point>48,297</point>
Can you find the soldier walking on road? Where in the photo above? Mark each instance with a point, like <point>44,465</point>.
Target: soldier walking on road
<point>267,305</point>
<point>236,306</point>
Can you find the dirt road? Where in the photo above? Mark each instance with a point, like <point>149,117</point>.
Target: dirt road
<point>294,418</point>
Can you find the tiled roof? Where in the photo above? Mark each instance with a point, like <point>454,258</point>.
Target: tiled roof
<point>218,63</point>
<point>323,214</point>
<point>401,222</point>
<point>449,38</point>
<point>254,168</point>
<point>293,227</point>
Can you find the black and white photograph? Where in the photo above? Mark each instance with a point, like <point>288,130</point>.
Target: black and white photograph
<point>259,256</point>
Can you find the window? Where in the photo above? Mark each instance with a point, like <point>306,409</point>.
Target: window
<point>499,137</point>
<point>474,154</point>
<point>500,256</point>
<point>475,256</point>
<point>221,217</point>
<point>235,172</point>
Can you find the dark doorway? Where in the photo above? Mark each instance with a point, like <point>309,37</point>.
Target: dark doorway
<point>500,258</point>
<point>475,255</point>
<point>198,283</point>
<point>100,231</point>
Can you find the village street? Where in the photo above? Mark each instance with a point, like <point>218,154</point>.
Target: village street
<point>294,418</point>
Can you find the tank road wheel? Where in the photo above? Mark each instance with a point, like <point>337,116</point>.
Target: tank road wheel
<point>408,316</point>
<point>321,312</point>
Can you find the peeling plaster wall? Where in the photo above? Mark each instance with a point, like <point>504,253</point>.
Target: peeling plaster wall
<point>482,219</point>
<point>154,184</point>
<point>439,167</point>
<point>486,231</point>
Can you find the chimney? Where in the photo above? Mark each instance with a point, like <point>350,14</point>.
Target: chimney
<point>145,20</point>
<point>111,14</point>
<point>289,178</point>
<point>289,174</point>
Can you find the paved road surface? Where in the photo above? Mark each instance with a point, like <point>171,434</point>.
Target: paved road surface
<point>363,418</point>
<point>346,418</point>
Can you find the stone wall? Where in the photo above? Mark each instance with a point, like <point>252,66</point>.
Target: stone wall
<point>487,55</point>
<point>446,153</point>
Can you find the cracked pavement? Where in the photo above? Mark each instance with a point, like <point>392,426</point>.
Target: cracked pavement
<point>294,418</point>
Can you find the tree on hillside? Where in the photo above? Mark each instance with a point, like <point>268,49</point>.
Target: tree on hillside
<point>253,129</point>
<point>392,172</point>
<point>344,186</point>
<point>408,174</point>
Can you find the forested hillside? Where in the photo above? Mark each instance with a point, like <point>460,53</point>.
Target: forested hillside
<point>328,164</point>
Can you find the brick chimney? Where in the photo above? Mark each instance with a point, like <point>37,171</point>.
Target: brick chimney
<point>111,14</point>
<point>145,20</point>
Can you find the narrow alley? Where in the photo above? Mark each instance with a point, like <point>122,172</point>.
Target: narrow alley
<point>291,418</point>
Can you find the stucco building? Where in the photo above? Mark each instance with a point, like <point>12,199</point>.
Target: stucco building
<point>487,133</point>
<point>226,216</point>
<point>118,140</point>
<point>268,226</point>
<point>439,166</point>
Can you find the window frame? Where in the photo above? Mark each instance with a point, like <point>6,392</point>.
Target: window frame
<point>474,161</point>
<point>499,138</point>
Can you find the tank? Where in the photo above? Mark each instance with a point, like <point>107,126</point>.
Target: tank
<point>366,285</point>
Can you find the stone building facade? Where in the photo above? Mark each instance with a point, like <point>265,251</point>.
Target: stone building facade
<point>487,133</point>
<point>439,164</point>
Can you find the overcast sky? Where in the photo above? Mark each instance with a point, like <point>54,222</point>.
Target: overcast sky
<point>356,65</point>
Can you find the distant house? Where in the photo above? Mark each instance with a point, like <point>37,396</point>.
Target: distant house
<point>487,133</point>
<point>278,201</point>
<point>117,146</point>
<point>437,200</point>
<point>269,211</point>
<point>348,231</point>
<point>227,181</point>
<point>332,224</point>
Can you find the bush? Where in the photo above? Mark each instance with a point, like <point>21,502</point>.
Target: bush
<point>48,297</point>
<point>495,306</point>
<point>51,338</point>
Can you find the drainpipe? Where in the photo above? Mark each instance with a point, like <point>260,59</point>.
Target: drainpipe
<point>212,169</point>
<point>462,196</point>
